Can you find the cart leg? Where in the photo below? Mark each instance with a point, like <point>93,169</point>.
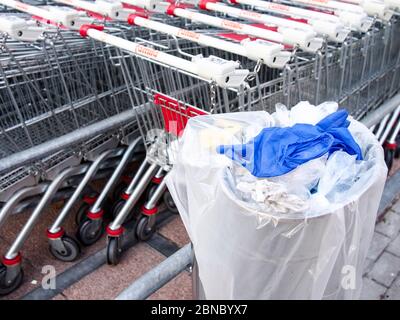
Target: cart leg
<point>91,229</point>
<point>115,230</point>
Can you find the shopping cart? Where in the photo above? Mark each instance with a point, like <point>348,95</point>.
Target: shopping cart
<point>159,187</point>
<point>172,115</point>
<point>387,131</point>
<point>131,79</point>
<point>50,90</point>
<point>333,31</point>
<point>113,50</point>
<point>305,40</point>
<point>374,9</point>
<point>319,19</point>
<point>271,54</point>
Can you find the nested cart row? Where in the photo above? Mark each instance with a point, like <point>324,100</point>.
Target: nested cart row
<point>87,88</point>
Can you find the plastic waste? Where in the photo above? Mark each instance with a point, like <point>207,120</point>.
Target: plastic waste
<point>289,193</point>
<point>303,112</point>
<point>276,151</point>
<point>249,247</point>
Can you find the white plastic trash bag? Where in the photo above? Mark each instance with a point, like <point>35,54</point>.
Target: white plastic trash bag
<point>315,250</point>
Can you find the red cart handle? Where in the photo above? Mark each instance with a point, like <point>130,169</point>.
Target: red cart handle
<point>85,28</point>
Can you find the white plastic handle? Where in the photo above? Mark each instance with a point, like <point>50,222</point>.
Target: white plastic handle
<point>111,9</point>
<point>305,40</point>
<point>223,72</point>
<point>355,21</point>
<point>335,31</point>
<point>358,21</point>
<point>373,8</point>
<point>20,29</point>
<point>67,19</point>
<point>394,4</point>
<point>255,16</point>
<point>333,5</point>
<point>145,4</point>
<point>322,23</point>
<point>370,7</point>
<point>291,11</point>
<point>271,54</point>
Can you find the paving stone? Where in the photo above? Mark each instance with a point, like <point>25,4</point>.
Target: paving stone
<point>372,290</point>
<point>390,225</point>
<point>394,291</point>
<point>394,246</point>
<point>175,231</point>
<point>396,207</point>
<point>368,264</point>
<point>385,269</point>
<point>378,244</point>
<point>395,167</point>
<point>390,193</point>
<point>107,282</point>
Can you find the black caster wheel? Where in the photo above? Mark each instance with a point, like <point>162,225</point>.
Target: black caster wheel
<point>90,231</point>
<point>71,251</point>
<point>143,231</point>
<point>397,153</point>
<point>169,203</point>
<point>107,207</point>
<point>118,190</point>
<point>81,213</point>
<point>117,207</point>
<point>113,251</point>
<point>389,158</point>
<point>151,190</point>
<point>7,288</point>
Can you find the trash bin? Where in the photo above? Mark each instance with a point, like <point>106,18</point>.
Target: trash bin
<point>242,253</point>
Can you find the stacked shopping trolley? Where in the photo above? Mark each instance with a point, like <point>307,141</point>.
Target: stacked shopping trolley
<point>88,87</point>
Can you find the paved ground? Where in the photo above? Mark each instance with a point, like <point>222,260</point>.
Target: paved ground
<point>381,279</point>
<point>382,268</point>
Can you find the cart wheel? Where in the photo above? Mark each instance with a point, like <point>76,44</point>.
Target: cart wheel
<point>118,190</point>
<point>107,207</point>
<point>7,288</point>
<point>397,153</point>
<point>113,251</point>
<point>117,207</point>
<point>389,157</point>
<point>151,190</point>
<point>143,231</point>
<point>169,203</point>
<point>89,231</point>
<point>71,251</point>
<point>81,213</point>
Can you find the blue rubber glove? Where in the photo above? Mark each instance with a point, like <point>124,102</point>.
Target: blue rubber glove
<point>337,125</point>
<point>276,151</point>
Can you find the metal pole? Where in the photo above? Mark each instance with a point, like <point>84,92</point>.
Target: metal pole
<point>39,209</point>
<point>156,278</point>
<point>116,174</point>
<point>19,159</point>
<point>386,108</point>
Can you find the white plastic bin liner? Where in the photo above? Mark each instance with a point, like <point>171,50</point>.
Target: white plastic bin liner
<point>295,256</point>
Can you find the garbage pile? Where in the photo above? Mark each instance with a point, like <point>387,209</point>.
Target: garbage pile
<point>300,164</point>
